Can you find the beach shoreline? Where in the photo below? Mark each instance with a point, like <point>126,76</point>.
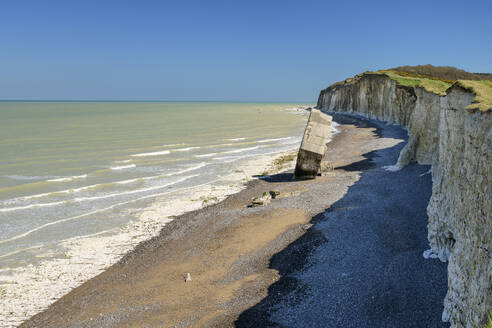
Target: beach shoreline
<point>232,252</point>
<point>84,260</point>
<point>28,289</point>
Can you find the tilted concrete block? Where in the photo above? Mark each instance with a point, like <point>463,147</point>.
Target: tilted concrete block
<point>313,146</point>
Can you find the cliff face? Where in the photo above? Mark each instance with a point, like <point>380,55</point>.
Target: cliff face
<point>458,144</point>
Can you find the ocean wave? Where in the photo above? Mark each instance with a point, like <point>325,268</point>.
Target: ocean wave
<point>27,177</point>
<point>220,145</point>
<point>206,155</point>
<point>299,110</point>
<point>122,167</point>
<point>234,158</point>
<point>173,145</point>
<point>188,169</point>
<point>20,251</point>
<point>155,153</point>
<point>230,159</point>
<point>292,141</point>
<point>236,139</point>
<point>25,207</point>
<point>241,150</point>
<point>70,191</point>
<point>274,139</point>
<point>95,211</point>
<point>73,177</point>
<point>124,161</point>
<point>222,158</point>
<point>100,185</point>
<point>83,199</point>
<point>185,149</point>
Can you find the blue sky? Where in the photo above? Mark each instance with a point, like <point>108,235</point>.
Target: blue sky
<point>226,50</point>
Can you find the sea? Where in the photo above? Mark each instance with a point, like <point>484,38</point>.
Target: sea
<point>82,183</point>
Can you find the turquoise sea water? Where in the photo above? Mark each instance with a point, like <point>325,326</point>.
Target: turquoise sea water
<point>74,169</point>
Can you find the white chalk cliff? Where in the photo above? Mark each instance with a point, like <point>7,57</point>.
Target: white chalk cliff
<point>457,142</point>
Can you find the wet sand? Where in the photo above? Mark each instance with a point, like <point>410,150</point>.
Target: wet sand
<point>250,267</point>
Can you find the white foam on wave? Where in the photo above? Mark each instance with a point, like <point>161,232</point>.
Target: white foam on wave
<point>122,167</point>
<point>185,149</point>
<point>83,199</point>
<point>75,190</point>
<point>220,145</point>
<point>291,141</point>
<point>99,210</point>
<point>27,177</point>
<point>155,153</point>
<point>124,161</point>
<point>206,155</point>
<point>299,110</point>
<point>236,139</point>
<point>25,207</point>
<point>274,139</point>
<point>229,159</point>
<point>241,150</point>
<point>190,168</point>
<point>174,145</point>
<point>65,179</point>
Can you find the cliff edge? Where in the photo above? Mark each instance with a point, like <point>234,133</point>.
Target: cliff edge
<point>450,127</point>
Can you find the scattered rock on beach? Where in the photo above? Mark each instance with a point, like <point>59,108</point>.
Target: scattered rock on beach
<point>274,193</point>
<point>326,168</point>
<point>187,277</point>
<point>261,201</point>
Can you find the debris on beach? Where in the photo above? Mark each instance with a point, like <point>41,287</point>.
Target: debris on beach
<point>187,277</point>
<point>261,201</point>
<point>274,193</point>
<point>326,168</point>
<point>313,146</point>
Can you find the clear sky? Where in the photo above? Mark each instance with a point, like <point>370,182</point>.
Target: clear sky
<point>227,50</point>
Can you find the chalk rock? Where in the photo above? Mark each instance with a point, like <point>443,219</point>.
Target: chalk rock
<point>457,142</point>
<point>261,201</point>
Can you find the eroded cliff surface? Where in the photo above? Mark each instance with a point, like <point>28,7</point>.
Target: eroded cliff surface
<point>457,142</point>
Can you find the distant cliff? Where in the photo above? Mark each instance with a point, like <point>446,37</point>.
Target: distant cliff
<point>450,127</point>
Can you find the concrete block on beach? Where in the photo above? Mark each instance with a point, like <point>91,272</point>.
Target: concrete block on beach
<point>313,146</point>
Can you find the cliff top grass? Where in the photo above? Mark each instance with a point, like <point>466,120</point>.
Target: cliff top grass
<point>442,78</point>
<point>483,91</point>
<point>443,72</point>
<point>429,83</point>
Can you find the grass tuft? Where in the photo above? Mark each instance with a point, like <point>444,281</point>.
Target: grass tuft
<point>429,83</point>
<point>279,162</point>
<point>489,322</point>
<point>483,91</point>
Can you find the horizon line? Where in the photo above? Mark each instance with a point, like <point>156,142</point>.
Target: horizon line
<point>160,100</point>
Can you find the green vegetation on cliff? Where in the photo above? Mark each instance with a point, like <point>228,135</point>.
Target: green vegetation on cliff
<point>483,91</point>
<point>429,83</point>
<point>442,72</point>
<point>438,79</point>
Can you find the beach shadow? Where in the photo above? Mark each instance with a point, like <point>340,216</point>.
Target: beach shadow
<point>280,177</point>
<point>357,120</point>
<point>360,264</point>
<point>367,163</point>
